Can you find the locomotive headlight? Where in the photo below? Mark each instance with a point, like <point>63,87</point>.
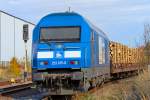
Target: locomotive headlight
<point>72,54</point>
<point>45,54</point>
<point>42,63</point>
<point>74,62</point>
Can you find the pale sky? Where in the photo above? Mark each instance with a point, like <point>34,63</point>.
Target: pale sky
<point>121,20</point>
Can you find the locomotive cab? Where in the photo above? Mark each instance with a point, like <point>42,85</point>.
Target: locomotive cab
<point>60,47</point>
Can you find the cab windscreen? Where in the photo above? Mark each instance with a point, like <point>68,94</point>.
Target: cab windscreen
<point>60,34</point>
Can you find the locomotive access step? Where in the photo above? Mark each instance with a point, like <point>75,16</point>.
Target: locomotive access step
<point>14,87</point>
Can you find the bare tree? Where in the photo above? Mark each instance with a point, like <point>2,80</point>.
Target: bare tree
<point>147,42</point>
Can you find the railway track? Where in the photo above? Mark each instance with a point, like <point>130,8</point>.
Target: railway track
<point>2,83</point>
<point>12,88</point>
<point>12,81</point>
<point>34,94</point>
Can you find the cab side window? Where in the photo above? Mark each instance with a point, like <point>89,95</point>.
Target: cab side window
<point>92,36</point>
<point>102,50</point>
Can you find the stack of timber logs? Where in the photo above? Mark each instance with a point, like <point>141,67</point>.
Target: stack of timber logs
<point>124,58</point>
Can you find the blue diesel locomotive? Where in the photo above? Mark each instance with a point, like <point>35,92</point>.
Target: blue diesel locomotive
<point>69,54</point>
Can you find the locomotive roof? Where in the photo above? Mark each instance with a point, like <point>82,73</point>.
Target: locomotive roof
<point>77,16</point>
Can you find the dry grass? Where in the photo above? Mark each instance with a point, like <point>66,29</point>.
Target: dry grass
<point>85,96</point>
<point>137,88</point>
<point>3,74</point>
<point>141,86</point>
<point>14,69</point>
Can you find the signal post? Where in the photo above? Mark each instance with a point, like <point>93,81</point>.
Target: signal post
<point>25,38</point>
